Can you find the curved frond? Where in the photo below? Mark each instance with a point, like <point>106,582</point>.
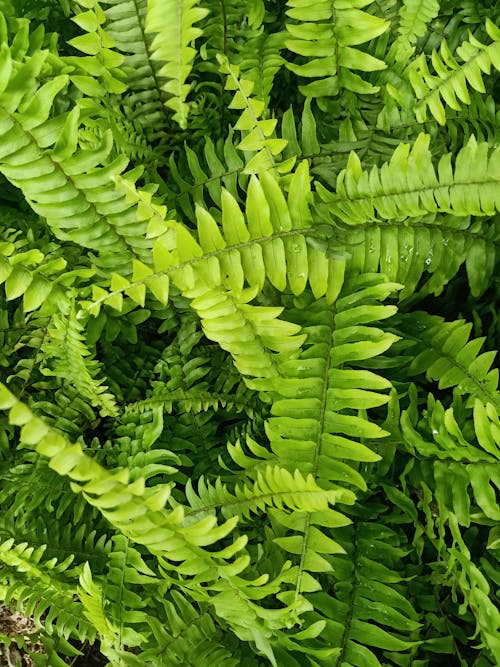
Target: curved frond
<point>414,16</point>
<point>445,354</point>
<point>261,61</point>
<point>457,478</point>
<point>451,79</point>
<point>257,132</point>
<point>224,168</point>
<point>139,513</point>
<point>98,71</point>
<point>266,241</point>
<point>273,487</point>
<point>26,272</point>
<point>61,180</point>
<point>145,98</point>
<point>71,360</point>
<point>47,593</point>
<point>188,635</point>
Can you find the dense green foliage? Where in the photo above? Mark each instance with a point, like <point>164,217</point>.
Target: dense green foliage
<point>249,406</point>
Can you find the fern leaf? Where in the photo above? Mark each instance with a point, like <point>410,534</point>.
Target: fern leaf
<point>437,244</point>
<point>73,360</point>
<point>47,593</point>
<point>172,23</point>
<point>27,273</point>
<point>249,251</point>
<point>459,489</point>
<point>451,79</point>
<point>273,487</point>
<point>445,353</point>
<point>188,634</point>
<point>145,98</point>
<point>62,183</point>
<point>139,513</point>
<point>414,16</point>
<point>327,33</point>
<point>224,168</point>
<point>408,185</point>
<point>257,132</point>
<point>363,617</point>
<point>99,71</point>
<point>261,61</point>
<point>318,410</point>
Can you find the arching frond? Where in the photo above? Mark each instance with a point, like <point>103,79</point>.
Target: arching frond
<point>451,79</point>
<point>257,131</point>
<point>438,245</point>
<point>243,251</point>
<point>64,184</point>
<point>274,487</point>
<point>446,355</point>
<point>47,594</point>
<point>73,360</point>
<point>414,17</point>
<point>98,71</point>
<point>145,99</point>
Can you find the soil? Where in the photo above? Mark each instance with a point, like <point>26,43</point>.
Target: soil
<point>15,624</point>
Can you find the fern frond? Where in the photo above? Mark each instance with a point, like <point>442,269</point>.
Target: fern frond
<point>445,354</point>
<point>188,635</point>
<point>257,132</point>
<point>62,182</point>
<point>224,168</point>
<point>414,17</point>
<point>45,594</point>
<point>261,61</point>
<point>73,361</point>
<point>139,513</point>
<point>274,229</point>
<point>318,420</point>
<point>465,577</point>
<point>408,185</point>
<point>451,79</point>
<point>458,490</point>
<point>362,616</point>
<point>145,99</point>
<point>273,487</point>
<point>172,23</point>
<point>439,435</point>
<point>98,71</point>
<point>195,383</point>
<point>465,474</point>
<point>327,33</point>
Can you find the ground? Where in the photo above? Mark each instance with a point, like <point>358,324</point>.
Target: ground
<point>15,624</point>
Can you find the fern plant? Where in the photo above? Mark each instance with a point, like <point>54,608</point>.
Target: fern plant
<point>249,405</point>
